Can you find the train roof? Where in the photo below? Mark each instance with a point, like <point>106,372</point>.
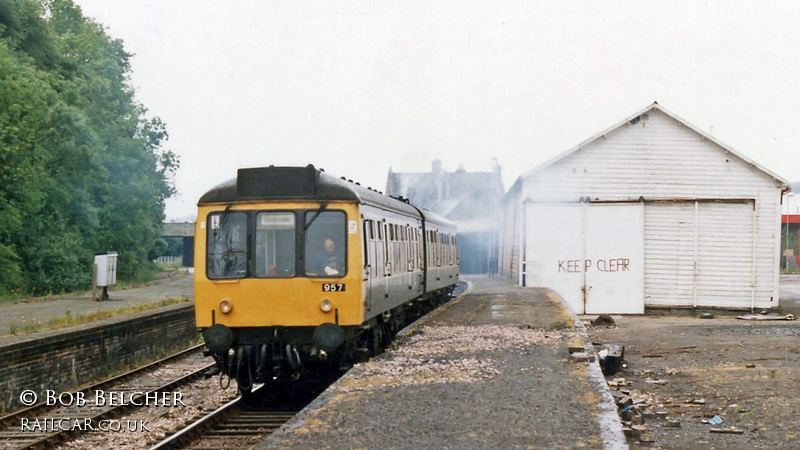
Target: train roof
<point>302,183</point>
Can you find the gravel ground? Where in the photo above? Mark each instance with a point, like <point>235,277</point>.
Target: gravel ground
<point>200,397</point>
<point>490,370</point>
<point>686,370</point>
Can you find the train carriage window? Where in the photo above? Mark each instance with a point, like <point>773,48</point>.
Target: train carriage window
<point>326,244</point>
<point>275,244</point>
<point>227,245</point>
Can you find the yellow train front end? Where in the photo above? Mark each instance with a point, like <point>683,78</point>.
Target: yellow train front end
<point>278,275</point>
<point>272,281</point>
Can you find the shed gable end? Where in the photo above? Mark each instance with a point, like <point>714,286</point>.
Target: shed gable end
<point>652,156</point>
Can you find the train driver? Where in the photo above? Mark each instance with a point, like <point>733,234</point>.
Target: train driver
<point>329,261</point>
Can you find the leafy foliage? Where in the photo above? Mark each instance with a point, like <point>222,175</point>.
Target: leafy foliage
<point>82,168</point>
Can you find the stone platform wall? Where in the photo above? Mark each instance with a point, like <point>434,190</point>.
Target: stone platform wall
<point>65,359</point>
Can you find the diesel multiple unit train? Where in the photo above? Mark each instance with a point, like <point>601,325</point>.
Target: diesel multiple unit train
<point>299,273</point>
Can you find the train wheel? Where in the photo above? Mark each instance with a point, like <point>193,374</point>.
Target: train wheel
<point>376,340</point>
<point>247,395</point>
<point>336,367</point>
<point>386,332</point>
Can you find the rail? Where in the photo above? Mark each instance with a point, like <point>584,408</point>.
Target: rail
<point>10,438</point>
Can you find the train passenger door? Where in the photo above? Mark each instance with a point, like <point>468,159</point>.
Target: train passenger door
<point>369,260</point>
<point>388,236</point>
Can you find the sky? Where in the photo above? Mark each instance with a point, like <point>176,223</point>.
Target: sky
<point>358,87</point>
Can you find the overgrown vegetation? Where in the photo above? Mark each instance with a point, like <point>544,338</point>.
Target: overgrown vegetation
<point>82,169</point>
<point>27,326</point>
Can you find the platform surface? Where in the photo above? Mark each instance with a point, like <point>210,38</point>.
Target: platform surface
<point>17,315</point>
<point>489,370</point>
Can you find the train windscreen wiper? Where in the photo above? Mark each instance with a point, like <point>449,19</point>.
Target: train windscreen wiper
<point>225,214</point>
<point>316,214</point>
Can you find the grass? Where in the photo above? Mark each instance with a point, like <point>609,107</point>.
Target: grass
<point>155,272</point>
<point>167,267</point>
<point>160,271</point>
<point>26,327</point>
<point>34,325</point>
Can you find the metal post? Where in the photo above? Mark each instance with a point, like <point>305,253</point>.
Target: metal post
<point>785,248</point>
<point>94,281</point>
<point>522,243</point>
<point>584,223</point>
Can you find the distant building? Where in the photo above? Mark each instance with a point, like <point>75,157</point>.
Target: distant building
<point>790,257</point>
<point>471,200</point>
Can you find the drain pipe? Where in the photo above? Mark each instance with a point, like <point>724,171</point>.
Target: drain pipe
<point>753,260</point>
<point>696,253</point>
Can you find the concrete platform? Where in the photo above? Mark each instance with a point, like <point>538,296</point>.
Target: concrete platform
<point>489,370</point>
<point>44,309</point>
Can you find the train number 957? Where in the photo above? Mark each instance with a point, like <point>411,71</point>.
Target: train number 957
<point>333,287</point>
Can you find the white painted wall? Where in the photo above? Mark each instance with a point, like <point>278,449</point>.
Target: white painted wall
<point>736,258</point>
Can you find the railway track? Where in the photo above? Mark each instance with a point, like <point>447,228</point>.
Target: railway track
<point>236,424</point>
<point>65,417</point>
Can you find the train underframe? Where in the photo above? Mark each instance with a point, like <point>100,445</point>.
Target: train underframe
<point>281,355</point>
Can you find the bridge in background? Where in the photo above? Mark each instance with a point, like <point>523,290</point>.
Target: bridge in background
<point>186,232</point>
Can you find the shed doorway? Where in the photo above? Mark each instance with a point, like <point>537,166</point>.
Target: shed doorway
<point>591,254</point>
<point>701,253</point>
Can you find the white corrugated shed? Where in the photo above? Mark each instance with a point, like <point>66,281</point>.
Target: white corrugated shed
<point>653,212</point>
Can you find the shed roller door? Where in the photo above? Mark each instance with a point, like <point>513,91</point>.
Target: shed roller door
<point>725,255</point>
<point>698,254</point>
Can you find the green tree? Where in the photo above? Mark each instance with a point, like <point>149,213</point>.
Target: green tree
<point>83,169</point>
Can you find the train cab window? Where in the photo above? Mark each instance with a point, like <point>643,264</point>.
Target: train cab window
<point>227,245</point>
<point>325,246</point>
<point>275,244</point>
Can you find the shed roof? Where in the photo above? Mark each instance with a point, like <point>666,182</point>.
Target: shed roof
<point>655,106</point>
